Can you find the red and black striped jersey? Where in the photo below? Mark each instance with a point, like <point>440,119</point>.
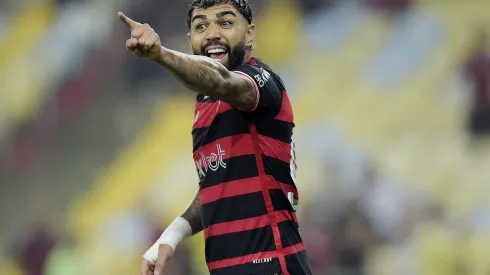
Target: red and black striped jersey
<point>246,165</point>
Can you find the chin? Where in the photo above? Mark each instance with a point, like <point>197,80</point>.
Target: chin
<point>225,61</point>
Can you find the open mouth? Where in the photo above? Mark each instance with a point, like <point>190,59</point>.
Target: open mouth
<point>217,53</point>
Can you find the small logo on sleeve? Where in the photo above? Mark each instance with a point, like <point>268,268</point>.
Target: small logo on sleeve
<point>262,78</point>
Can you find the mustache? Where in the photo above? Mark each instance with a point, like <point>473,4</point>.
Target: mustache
<point>215,43</point>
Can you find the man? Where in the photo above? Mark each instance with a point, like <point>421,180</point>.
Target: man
<point>243,147</point>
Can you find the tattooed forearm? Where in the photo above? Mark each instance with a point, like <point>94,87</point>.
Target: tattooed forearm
<point>193,215</point>
<point>199,73</point>
<point>173,62</point>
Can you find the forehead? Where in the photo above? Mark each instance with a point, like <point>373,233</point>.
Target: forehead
<point>212,11</point>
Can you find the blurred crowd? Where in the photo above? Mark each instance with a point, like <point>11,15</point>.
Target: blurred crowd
<point>358,220</point>
<point>476,71</point>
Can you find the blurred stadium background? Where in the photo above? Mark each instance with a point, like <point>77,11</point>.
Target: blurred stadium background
<point>391,100</point>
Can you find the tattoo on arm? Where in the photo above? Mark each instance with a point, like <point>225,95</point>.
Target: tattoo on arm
<point>174,62</point>
<point>200,75</point>
<point>208,77</point>
<point>193,215</point>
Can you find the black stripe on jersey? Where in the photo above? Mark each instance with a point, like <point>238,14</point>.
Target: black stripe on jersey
<point>280,201</point>
<point>229,123</point>
<point>232,245</point>
<point>233,208</point>
<point>276,129</point>
<point>289,233</point>
<point>277,168</point>
<point>298,263</point>
<point>237,168</point>
<point>272,267</point>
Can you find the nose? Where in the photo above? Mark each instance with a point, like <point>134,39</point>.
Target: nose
<point>213,33</point>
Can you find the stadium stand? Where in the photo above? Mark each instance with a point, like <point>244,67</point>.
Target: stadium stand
<point>384,96</point>
<point>13,68</point>
<point>361,108</point>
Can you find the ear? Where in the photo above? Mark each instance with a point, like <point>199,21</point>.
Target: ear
<point>250,36</point>
<point>189,40</point>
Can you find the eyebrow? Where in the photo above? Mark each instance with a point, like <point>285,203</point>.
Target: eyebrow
<point>203,17</point>
<point>218,15</point>
<point>223,13</point>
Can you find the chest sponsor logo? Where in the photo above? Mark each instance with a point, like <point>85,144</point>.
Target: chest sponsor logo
<point>212,162</point>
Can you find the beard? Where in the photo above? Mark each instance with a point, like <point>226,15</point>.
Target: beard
<point>236,55</point>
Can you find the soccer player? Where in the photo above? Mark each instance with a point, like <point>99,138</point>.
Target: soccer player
<point>243,147</point>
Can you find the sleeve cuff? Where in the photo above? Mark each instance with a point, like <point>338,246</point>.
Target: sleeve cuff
<point>257,93</point>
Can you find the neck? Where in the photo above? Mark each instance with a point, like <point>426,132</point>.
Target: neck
<point>247,57</point>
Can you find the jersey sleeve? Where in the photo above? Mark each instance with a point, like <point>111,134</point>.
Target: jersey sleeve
<point>268,91</point>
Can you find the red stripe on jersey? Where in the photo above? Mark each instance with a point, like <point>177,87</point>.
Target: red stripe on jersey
<point>204,114</point>
<point>224,148</point>
<point>275,148</point>
<point>286,188</point>
<point>257,93</point>
<point>268,200</point>
<point>235,188</point>
<point>293,249</point>
<point>252,62</point>
<point>246,224</point>
<point>286,112</point>
<point>223,107</point>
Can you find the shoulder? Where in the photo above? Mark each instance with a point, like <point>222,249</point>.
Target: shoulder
<point>260,72</point>
<point>272,95</point>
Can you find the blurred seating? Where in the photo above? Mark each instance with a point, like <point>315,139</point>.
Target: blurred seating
<point>271,41</point>
<point>397,129</point>
<point>54,35</point>
<point>115,187</point>
<point>412,38</point>
<point>27,27</point>
<point>9,267</point>
<point>326,28</point>
<point>418,113</point>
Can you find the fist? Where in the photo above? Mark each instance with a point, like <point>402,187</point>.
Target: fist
<point>144,40</point>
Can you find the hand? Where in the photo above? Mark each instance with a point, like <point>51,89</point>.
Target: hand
<point>144,40</point>
<point>165,253</point>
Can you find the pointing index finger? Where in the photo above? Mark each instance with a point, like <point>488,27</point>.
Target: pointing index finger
<point>128,21</point>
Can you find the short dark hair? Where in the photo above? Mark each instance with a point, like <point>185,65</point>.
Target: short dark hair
<point>242,7</point>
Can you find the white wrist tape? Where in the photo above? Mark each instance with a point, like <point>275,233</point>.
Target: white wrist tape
<point>175,233</point>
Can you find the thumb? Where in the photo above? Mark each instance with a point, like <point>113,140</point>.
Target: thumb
<point>128,21</point>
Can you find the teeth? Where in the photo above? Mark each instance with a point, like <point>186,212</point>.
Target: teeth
<point>216,51</point>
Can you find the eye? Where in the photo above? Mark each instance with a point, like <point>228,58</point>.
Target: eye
<point>226,23</point>
<point>200,27</point>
